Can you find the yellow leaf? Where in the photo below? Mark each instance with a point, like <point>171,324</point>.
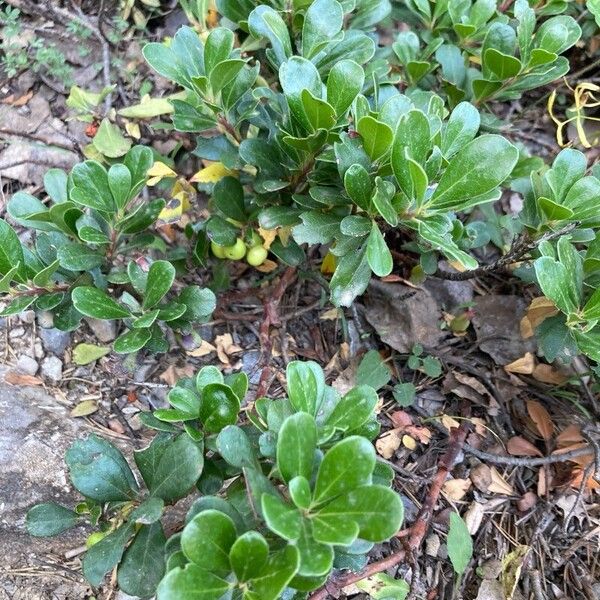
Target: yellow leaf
<point>388,443</point>
<point>87,407</point>
<point>211,174</point>
<point>133,129</point>
<point>204,349</point>
<point>158,171</point>
<point>524,365</point>
<point>456,489</point>
<point>409,442</point>
<point>328,264</point>
<point>182,194</point>
<point>268,236</point>
<point>449,423</point>
<point>267,267</point>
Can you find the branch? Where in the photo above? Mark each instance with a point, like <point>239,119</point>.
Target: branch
<point>418,529</point>
<point>520,247</point>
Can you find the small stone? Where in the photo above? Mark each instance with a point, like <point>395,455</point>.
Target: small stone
<point>27,365</point>
<point>55,340</point>
<point>45,319</point>
<point>105,331</point>
<point>17,332</point>
<point>27,316</point>
<point>52,368</point>
<point>38,350</point>
<point>250,365</point>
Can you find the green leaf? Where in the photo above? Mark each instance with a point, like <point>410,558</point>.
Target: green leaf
<point>17,305</point>
<point>296,445</point>
<point>11,251</point>
<point>377,510</point>
<point>322,22</point>
<point>444,243</point>
<point>191,583</point>
<point>170,467</point>
<point>359,186</point>
<point>99,471</point>
<point>90,186</point>
<point>295,75</point>
<point>502,66</point>
<point>319,113</point>
<point>568,167</point>
<point>234,445</point>
<point>479,168</point>
<point>556,283</point>
<point>383,587</point>
<point>218,47</point>
<point>109,140</point>
<point>557,34</point>
<point>276,574</point>
<point>300,491</point>
<point>373,371</point>
<point>148,512</point>
<point>220,407</point>
<point>92,302</point>
<point>143,564</point>
<point>461,128</point>
<point>104,555</point>
<point>160,279</point>
<point>77,257</point>
<point>376,136</point>
<point>345,82</point>
<point>384,192</point>
<point>207,539</point>
<point>49,519</point>
<point>84,354</point>
<point>334,529</point>
<point>355,408</point>
<point>306,386</point>
<point>348,464</point>
<point>206,375</point>
<point>351,278</point>
<point>315,558</point>
<point>248,555</point>
<point>281,518</point>
<point>119,182</point>
<point>228,196</point>
<point>200,303</point>
<point>266,22</point>
<point>316,228</point>
<point>224,73</point>
<point>132,340</point>
<point>378,253</point>
<point>404,393</point>
<point>460,544</point>
<point>55,184</point>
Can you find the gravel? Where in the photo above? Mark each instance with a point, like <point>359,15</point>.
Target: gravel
<point>27,365</point>
<point>52,369</point>
<point>55,340</point>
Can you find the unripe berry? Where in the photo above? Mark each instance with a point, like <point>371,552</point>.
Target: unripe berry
<point>218,251</point>
<point>256,256</point>
<point>237,251</point>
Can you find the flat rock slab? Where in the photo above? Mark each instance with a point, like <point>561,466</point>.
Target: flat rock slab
<point>35,431</point>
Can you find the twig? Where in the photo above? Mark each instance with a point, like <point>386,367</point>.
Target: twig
<point>516,461</point>
<point>39,138</point>
<point>271,317</point>
<point>418,529</point>
<point>520,247</point>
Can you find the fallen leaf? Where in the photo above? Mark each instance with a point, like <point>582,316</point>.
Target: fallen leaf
<point>539,415</point>
<point>330,315</point>
<point>401,418</point>
<point>409,442</point>
<point>204,349</point>
<point>268,266</point>
<point>157,172</point>
<point>268,236</point>
<point>16,378</point>
<point>499,485</point>
<point>473,383</point>
<point>543,483</point>
<point>388,443</point>
<point>473,516</point>
<point>20,101</point>
<point>524,365</point>
<point>548,374</point>
<point>480,426</point>
<point>456,489</point>
<point>540,309</point>
<point>570,435</point>
<point>481,477</point>
<point>172,374</point>
<point>87,407</point>
<point>512,565</point>
<point>84,354</point>
<point>226,347</point>
<point>449,423</point>
<point>328,264</point>
<point>519,446</point>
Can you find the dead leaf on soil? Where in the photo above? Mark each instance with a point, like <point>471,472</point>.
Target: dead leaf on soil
<point>87,407</point>
<point>548,374</point>
<point>473,516</point>
<point>172,374</point>
<point>388,443</point>
<point>204,349</point>
<point>568,436</point>
<point>539,415</point>
<point>481,477</point>
<point>519,446</point>
<point>540,309</point>
<point>226,347</point>
<point>512,566</point>
<point>524,365</point>
<point>456,489</point>
<point>16,378</point>
<point>499,485</point>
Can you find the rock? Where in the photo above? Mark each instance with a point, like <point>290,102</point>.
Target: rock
<point>450,295</point>
<point>249,365</point>
<point>16,332</point>
<point>45,319</point>
<point>497,323</point>
<point>402,320</point>
<point>27,316</point>
<point>105,331</point>
<point>55,340</point>
<point>38,350</point>
<point>36,432</point>
<point>52,369</point>
<point>27,365</point>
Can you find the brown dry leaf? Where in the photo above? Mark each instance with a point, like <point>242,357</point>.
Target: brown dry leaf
<point>499,485</point>
<point>330,315</point>
<point>409,442</point>
<point>388,443</point>
<point>472,382</point>
<point>569,436</point>
<point>456,489</point>
<point>519,446</point>
<point>473,516</point>
<point>401,419</point>
<point>480,426</point>
<point>449,423</point>
<point>20,101</point>
<point>268,236</point>
<point>540,309</point>
<point>267,267</point>
<point>481,477</point>
<point>524,365</point>
<point>226,347</point>
<point>204,349</point>
<point>539,415</point>
<point>172,374</point>
<point>16,378</point>
<point>548,374</point>
<point>87,407</point>
<point>584,460</point>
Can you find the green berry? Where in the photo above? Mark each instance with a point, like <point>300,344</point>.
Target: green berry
<point>256,256</point>
<point>218,251</point>
<point>237,251</point>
